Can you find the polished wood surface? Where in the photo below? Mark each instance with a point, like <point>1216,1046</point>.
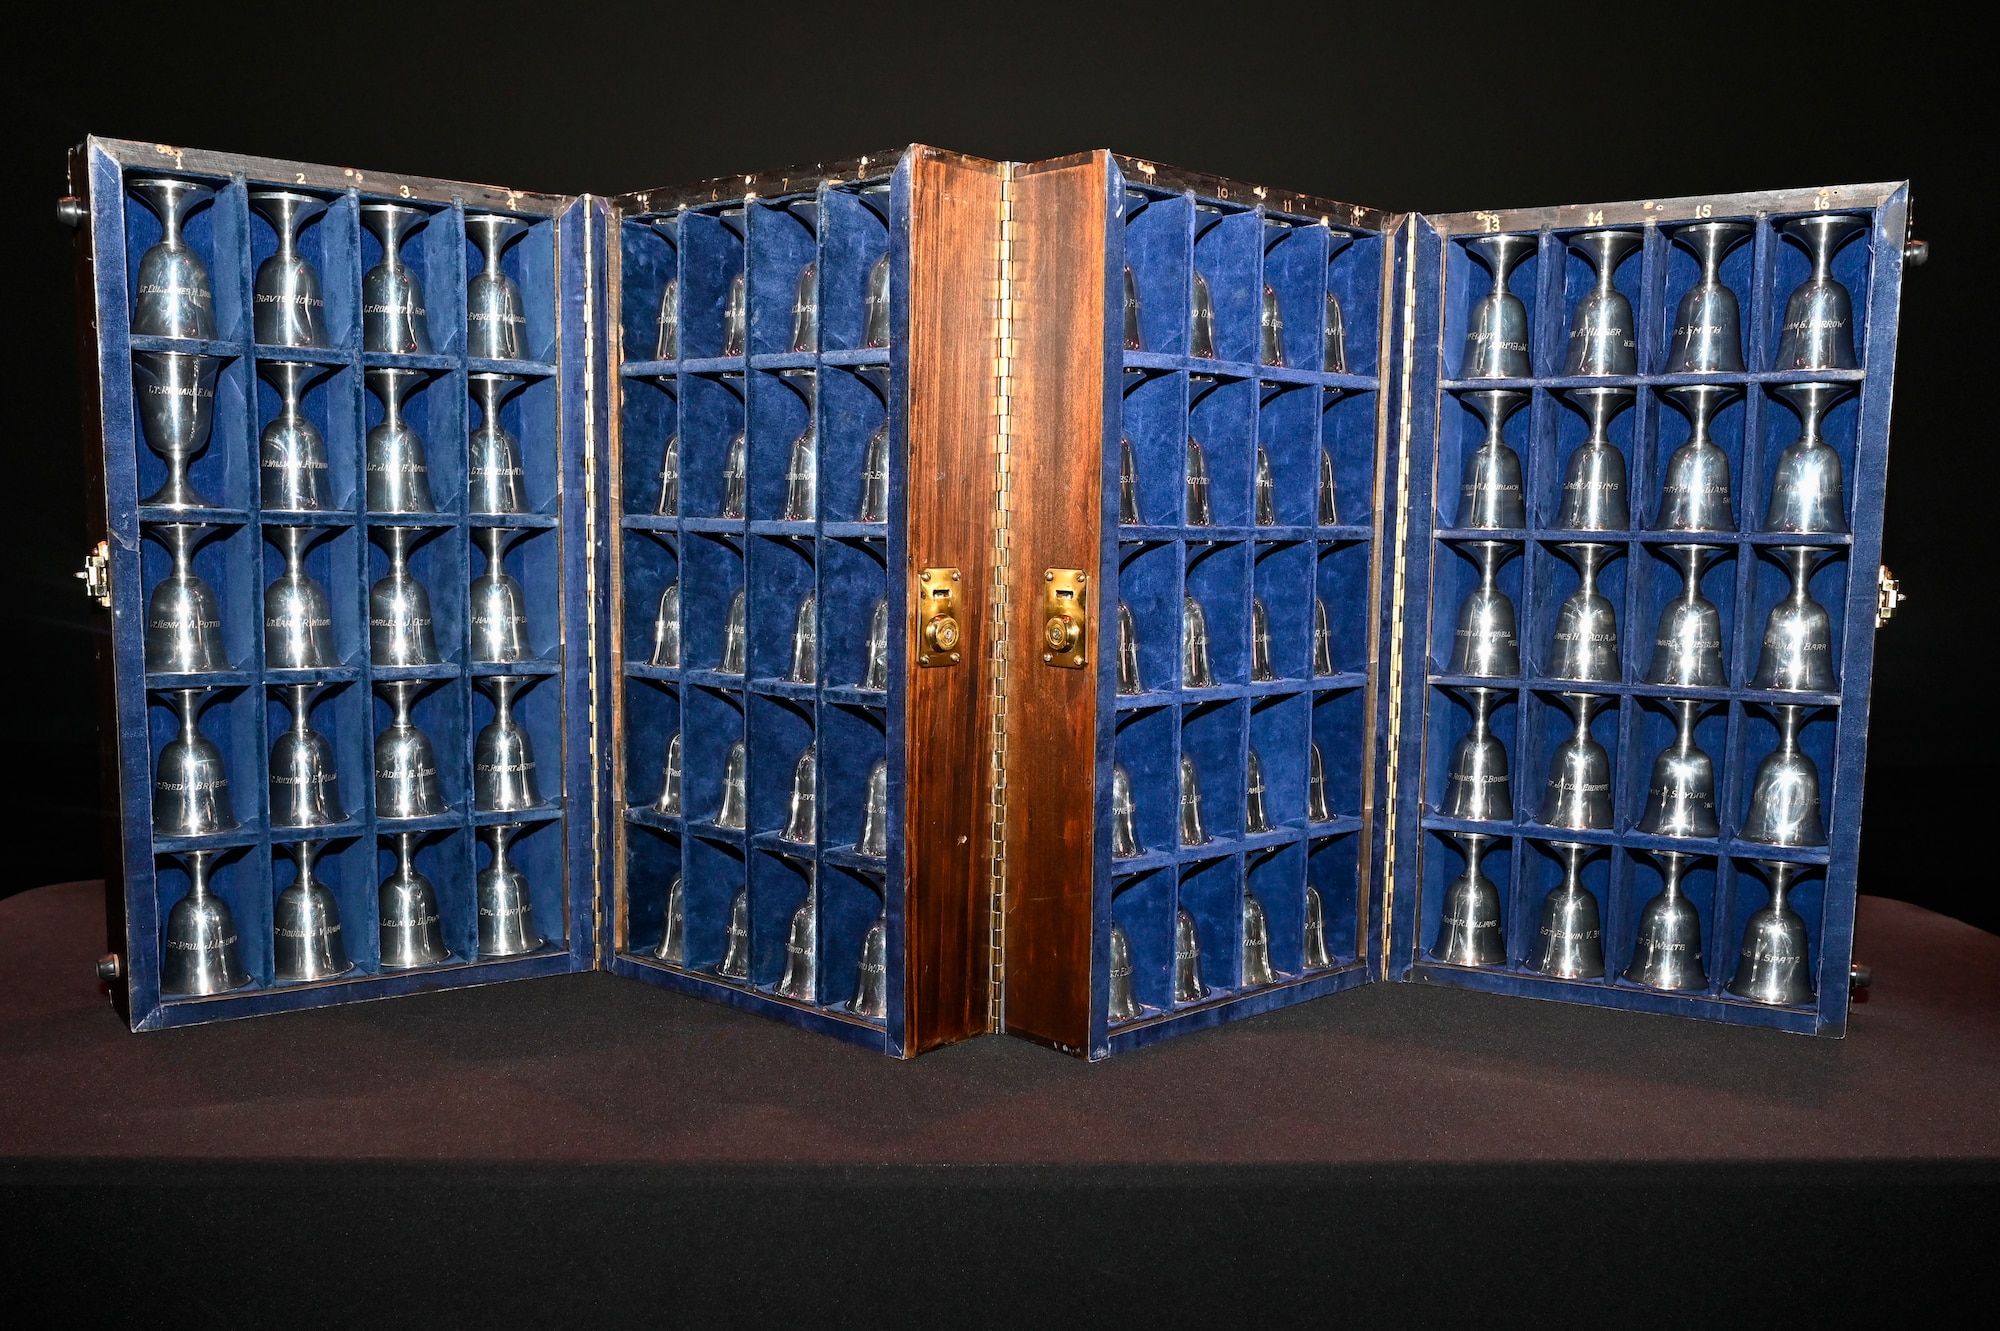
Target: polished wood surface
<point>1056,482</point>
<point>955,211</point>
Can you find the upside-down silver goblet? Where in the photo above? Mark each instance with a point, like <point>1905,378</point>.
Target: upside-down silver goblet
<point>183,620</point>
<point>305,781</point>
<point>669,504</point>
<point>805,311</point>
<point>667,629</point>
<point>1784,797</point>
<point>499,609</point>
<point>291,453</point>
<point>1578,792</point>
<point>1667,952</point>
<point>1680,798</point>
<point>1490,496</point>
<point>503,756</point>
<point>875,478</point>
<point>1194,832</point>
<point>673,932</point>
<point>735,478</point>
<point>394,318</point>
<point>201,954</point>
<point>735,316</point>
<point>1584,646</point>
<point>1271,329</point>
<point>875,674</point>
<point>802,477</point>
<point>1595,495</point>
<point>493,465</point>
<point>1797,655</point>
<point>1807,495</point>
<point>668,802</point>
<point>875,315</point>
<point>871,971</point>
<point>401,629</point>
<point>1316,956</point>
<point>1818,332</point>
<point>190,783</point>
<point>1129,681</point>
<point>496,320</point>
<point>1132,342</point>
<point>504,899</point>
<point>1694,492</point>
<point>1199,513</point>
<point>1128,485</point>
<point>1603,335</point>
<point>306,941</point>
<point>735,963</point>
<point>734,636</point>
<point>298,622</point>
<point>1496,339</point>
<point>172,293</point>
<point>1261,669</point>
<point>406,766</point>
<point>734,810</point>
<point>874,839</point>
<point>804,667</point>
<point>1335,358</point>
<point>1775,965</point>
<point>1477,785</point>
<point>1328,514</point>
<point>1256,818</point>
<point>1569,944</point>
<point>412,932</point>
<point>800,981</point>
<point>1123,1004</point>
<point>801,817</point>
<point>1201,314</point>
<point>1319,809</point>
<point>1708,325</point>
<point>1188,987</point>
<point>1256,957</point>
<point>1196,673</point>
<point>667,339</point>
<point>1266,512</point>
<point>288,309</point>
<point>399,478</point>
<point>1687,645</point>
<point>1124,817</point>
<point>1323,664</point>
<point>176,408</point>
<point>1469,932</point>
<point>1485,641</point>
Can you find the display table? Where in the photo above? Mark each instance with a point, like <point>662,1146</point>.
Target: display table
<point>585,1142</point>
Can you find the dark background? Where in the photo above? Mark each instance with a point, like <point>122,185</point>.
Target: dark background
<point>1427,106</point>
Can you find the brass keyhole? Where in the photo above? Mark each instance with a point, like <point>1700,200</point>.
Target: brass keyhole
<point>1060,634</point>
<point>942,633</point>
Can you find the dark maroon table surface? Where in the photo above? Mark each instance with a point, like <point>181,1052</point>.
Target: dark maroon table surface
<point>592,1068</point>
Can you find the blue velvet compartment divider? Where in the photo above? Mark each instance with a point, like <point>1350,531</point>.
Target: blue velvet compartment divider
<point>1727,875</point>
<point>715,369</point>
<point>243,712</point>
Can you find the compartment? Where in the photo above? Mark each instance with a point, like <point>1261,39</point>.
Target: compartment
<point>1749,892</point>
<point>340,714</point>
<point>854,237</point>
<point>332,559</point>
<point>1278,878</point>
<point>1279,731</point>
<point>1295,274</point>
<point>529,412</point>
<point>225,560</point>
<point>711,725</point>
<point>1450,721</point>
<point>1348,433</point>
<point>652,719</point>
<point>1218,577</point>
<point>1683,275</point>
<point>1554,579</point>
<point>711,250</point>
<point>325,237</point>
<point>855,741</point>
<point>1808,785</point>
<point>1590,497</point>
<point>781,577</point>
<point>218,438</point>
<point>317,439</point>
<point>1212,892</point>
<point>711,576</point>
<point>649,425</point>
<point>536,853</point>
<point>651,564</point>
<point>435,408</point>
<point>238,877</point>
<point>445,858</point>
<point>1212,735</point>
<point>715,872</point>
<point>1668,500</point>
<point>1333,870</point>
<point>1158,238</point>
<point>344,868</point>
<point>1468,282</point>
<point>1655,730</point>
<point>1149,585</point>
<point>1795,415</point>
<point>1618,322</point>
<point>1145,744</point>
<point>1339,723</point>
<point>781,239</point>
<point>779,885</point>
<point>1155,425</point>
<point>1283,582</point>
<point>711,420</point>
<point>1792,267</point>
<point>214,230</point>
<point>1818,631</point>
<point>653,862</point>
<point>1455,576</point>
<point>537,710</point>
<point>441,710</point>
<point>780,412</point>
<point>1288,435</point>
<point>438,558</point>
<point>781,730</point>
<point>1646,879</point>
<point>1354,278</point>
<point>1228,254</point>
<point>1447,857</point>
<point>1551,725</point>
<point>531,556</point>
<point>1341,583</point>
<point>853,580</point>
<point>850,902</point>
<point>1660,592</point>
<point>853,409</point>
<point>1222,417</point>
<point>1464,476</point>
<point>529,262</point>
<point>1542,873</point>
<point>648,259</point>
<point>434,254</point>
<point>1143,905</point>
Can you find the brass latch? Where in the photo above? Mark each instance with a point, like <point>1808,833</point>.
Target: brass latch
<point>938,631</point>
<point>96,574</point>
<point>1065,618</point>
<point>1888,595</point>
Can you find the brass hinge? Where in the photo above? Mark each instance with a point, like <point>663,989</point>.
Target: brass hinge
<point>1888,595</point>
<point>96,574</point>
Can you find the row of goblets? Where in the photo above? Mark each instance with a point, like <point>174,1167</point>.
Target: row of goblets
<point>1270,322</point>
<point>1199,512</point>
<point>805,314</point>
<point>203,953</point>
<point>1773,966</point>
<point>1817,333</point>
<point>801,478</point>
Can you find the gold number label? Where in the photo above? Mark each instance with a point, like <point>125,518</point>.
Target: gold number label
<point>1595,217</point>
<point>1704,209</point>
<point>1488,221</point>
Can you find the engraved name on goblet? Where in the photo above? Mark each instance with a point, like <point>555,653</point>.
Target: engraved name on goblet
<point>1578,792</point>
<point>499,609</point>
<point>1477,784</point>
<point>1485,641</point>
<point>1797,655</point>
<point>287,307</point>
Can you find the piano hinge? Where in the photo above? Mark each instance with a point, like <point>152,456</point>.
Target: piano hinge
<point>1398,600</point>
<point>590,580</point>
<point>1003,398</point>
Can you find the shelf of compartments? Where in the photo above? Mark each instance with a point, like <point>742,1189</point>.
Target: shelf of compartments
<point>245,715</point>
<point>1233,404</point>
<point>846,391</point>
<point>1737,729</point>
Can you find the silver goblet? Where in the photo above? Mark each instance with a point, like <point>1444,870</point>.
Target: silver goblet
<point>1124,820</point>
<point>1188,987</point>
<point>735,964</point>
<point>494,462</point>
<point>190,783</point>
<point>1584,646</point>
<point>1198,512</point>
<point>1485,641</point>
<point>291,454</point>
<point>734,636</point>
<point>804,667</point>
<point>1680,798</point>
<point>1318,808</point>
<point>399,479</point>
<point>669,802</point>
<point>1797,655</point>
<point>183,621</point>
<point>1784,798</point>
<point>801,818</point>
<point>1322,641</point>
<point>874,839</point>
<point>735,478</point>
<point>401,629</point>
<point>1595,496</point>
<point>504,899</point>
<point>735,317</point>
<point>800,982</point>
<point>176,408</point>
<point>673,933</point>
<point>1490,496</point>
<point>1578,793</point>
<point>1807,495</point>
<point>1255,817</point>
<point>503,756</point>
<point>1687,646</point>
<point>1708,326</point>
<point>1201,338</point>
<point>173,298</point>
<point>1329,493</point>
<point>1128,486</point>
<point>1193,831</point>
<point>412,934</point>
<point>298,622</point>
<point>734,811</point>
<point>305,783</point>
<point>306,942</point>
<point>499,614</point>
<point>1775,966</point>
<point>1316,956</point>
<point>802,477</point>
<point>1267,491</point>
<point>289,310</point>
<point>406,766</point>
<point>1603,335</point>
<point>496,322</point>
<point>805,311</point>
<point>1477,785</point>
<point>1570,944</point>
<point>1271,329</point>
<point>202,954</point>
<point>1694,493</point>
<point>1469,932</point>
<point>1196,672</point>
<point>875,675</point>
<point>1496,340</point>
<point>669,504</point>
<point>1335,359</point>
<point>1260,643</point>
<point>393,315</point>
<point>1818,332</point>
<point>875,321</point>
<point>1128,653</point>
<point>1256,958</point>
<point>875,478</point>
<point>1123,1005</point>
<point>1667,953</point>
<point>667,321</point>
<point>667,629</point>
<point>871,972</point>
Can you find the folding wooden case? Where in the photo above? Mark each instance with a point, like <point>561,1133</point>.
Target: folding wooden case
<point>1006,389</point>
